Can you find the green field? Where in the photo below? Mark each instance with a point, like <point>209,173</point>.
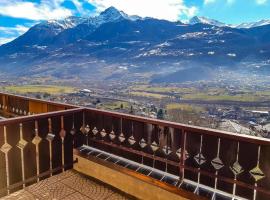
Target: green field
<point>114,105</point>
<point>149,95</point>
<point>206,94</point>
<point>50,89</point>
<point>185,107</point>
<point>148,88</point>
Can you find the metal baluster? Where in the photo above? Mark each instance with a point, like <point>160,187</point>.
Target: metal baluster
<point>183,154</point>
<point>5,149</point>
<point>103,132</point>
<point>131,139</point>
<point>21,145</point>
<point>73,131</point>
<point>154,147</point>
<point>236,169</point>
<point>50,138</point>
<point>217,164</point>
<point>63,135</point>
<point>85,130</point>
<point>257,173</point>
<point>36,141</point>
<point>121,137</point>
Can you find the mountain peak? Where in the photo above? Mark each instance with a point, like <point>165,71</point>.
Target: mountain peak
<point>111,14</point>
<point>205,20</point>
<point>110,10</point>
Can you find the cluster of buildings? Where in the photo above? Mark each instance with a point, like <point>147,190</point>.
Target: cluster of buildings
<point>243,121</point>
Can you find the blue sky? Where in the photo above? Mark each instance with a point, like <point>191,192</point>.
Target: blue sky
<point>16,16</point>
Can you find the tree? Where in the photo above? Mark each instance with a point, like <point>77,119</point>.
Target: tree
<point>46,95</point>
<point>131,111</point>
<point>38,96</point>
<point>160,114</point>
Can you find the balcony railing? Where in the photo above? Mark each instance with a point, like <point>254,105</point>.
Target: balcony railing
<point>210,163</point>
<point>13,105</point>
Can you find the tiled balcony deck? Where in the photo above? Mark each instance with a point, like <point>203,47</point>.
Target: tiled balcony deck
<point>69,185</point>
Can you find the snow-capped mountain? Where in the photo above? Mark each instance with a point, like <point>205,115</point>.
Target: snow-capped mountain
<point>128,45</point>
<point>59,25</point>
<point>204,20</point>
<point>111,14</point>
<point>254,24</point>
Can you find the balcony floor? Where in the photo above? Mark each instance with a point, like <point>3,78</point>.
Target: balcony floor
<point>68,185</point>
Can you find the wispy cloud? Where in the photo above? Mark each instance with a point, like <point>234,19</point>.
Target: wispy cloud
<point>8,34</point>
<point>208,1</point>
<point>19,29</point>
<point>46,9</point>
<point>261,2</point>
<point>4,40</point>
<point>160,9</point>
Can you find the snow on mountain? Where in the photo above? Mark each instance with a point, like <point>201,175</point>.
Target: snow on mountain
<point>111,14</point>
<point>253,24</point>
<point>204,20</point>
<point>66,23</point>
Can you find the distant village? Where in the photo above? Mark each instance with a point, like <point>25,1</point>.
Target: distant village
<point>227,118</point>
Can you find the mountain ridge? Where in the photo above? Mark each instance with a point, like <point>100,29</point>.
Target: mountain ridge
<point>115,43</point>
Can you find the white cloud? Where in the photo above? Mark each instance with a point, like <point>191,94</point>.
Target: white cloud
<point>4,40</point>
<point>8,34</point>
<point>209,1</point>
<point>160,9</point>
<point>18,29</point>
<point>47,9</point>
<point>261,2</point>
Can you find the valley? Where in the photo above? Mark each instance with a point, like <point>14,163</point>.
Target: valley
<point>202,72</point>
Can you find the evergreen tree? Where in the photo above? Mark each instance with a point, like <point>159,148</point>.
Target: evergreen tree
<point>160,114</point>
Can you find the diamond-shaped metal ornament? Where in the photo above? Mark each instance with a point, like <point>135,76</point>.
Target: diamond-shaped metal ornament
<point>36,140</point>
<point>236,168</point>
<point>95,131</point>
<point>200,159</point>
<point>131,140</point>
<point>103,133</point>
<point>121,137</point>
<point>82,129</point>
<point>217,163</point>
<point>142,143</point>
<point>21,144</point>
<point>154,146</point>
<point>179,151</point>
<point>112,135</point>
<point>50,137</point>
<point>73,131</point>
<point>85,129</point>
<point>5,148</point>
<point>167,150</point>
<point>62,133</point>
<point>257,173</point>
